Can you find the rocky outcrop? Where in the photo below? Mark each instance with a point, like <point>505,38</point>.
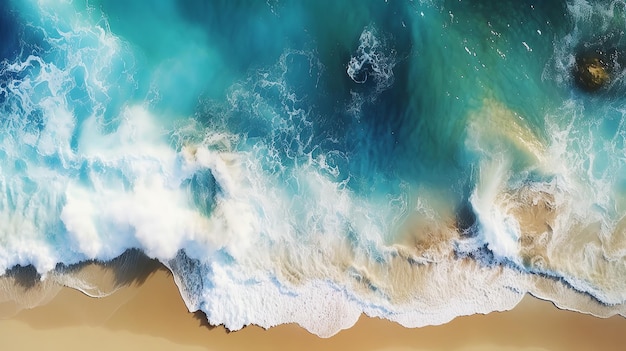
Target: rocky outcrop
<point>592,71</point>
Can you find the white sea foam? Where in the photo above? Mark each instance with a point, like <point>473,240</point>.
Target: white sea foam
<point>585,141</point>
<point>327,305</point>
<point>500,230</point>
<point>373,59</point>
<point>273,232</point>
<point>128,194</point>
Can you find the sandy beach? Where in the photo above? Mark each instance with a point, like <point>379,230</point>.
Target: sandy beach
<point>149,314</point>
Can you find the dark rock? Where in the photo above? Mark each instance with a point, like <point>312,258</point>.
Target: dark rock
<point>592,71</point>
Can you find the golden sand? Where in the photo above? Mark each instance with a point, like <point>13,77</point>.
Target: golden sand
<point>152,316</point>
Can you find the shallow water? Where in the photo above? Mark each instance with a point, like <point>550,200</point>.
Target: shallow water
<point>306,162</point>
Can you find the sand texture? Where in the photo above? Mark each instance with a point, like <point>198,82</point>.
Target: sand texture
<point>149,314</point>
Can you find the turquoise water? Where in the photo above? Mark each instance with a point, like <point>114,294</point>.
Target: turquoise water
<point>307,161</point>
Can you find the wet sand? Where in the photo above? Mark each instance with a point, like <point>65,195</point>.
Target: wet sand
<point>151,315</point>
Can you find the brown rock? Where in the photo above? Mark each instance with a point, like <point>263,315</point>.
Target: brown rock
<point>591,73</point>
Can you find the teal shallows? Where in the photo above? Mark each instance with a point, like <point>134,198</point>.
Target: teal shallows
<point>258,139</point>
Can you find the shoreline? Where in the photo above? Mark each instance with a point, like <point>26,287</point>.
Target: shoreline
<point>150,314</point>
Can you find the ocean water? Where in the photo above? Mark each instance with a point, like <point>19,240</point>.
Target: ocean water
<point>309,161</point>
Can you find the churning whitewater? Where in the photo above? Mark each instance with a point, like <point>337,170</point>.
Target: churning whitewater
<point>306,162</point>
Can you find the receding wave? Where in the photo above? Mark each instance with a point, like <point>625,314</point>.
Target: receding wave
<point>413,161</point>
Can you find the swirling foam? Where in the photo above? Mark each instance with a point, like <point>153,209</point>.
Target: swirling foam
<point>266,217</point>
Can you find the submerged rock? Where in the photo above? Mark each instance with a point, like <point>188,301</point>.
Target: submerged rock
<point>592,72</point>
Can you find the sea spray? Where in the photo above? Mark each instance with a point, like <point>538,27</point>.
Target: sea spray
<point>414,161</point>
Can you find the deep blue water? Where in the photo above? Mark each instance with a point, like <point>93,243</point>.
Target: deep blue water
<point>301,161</point>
